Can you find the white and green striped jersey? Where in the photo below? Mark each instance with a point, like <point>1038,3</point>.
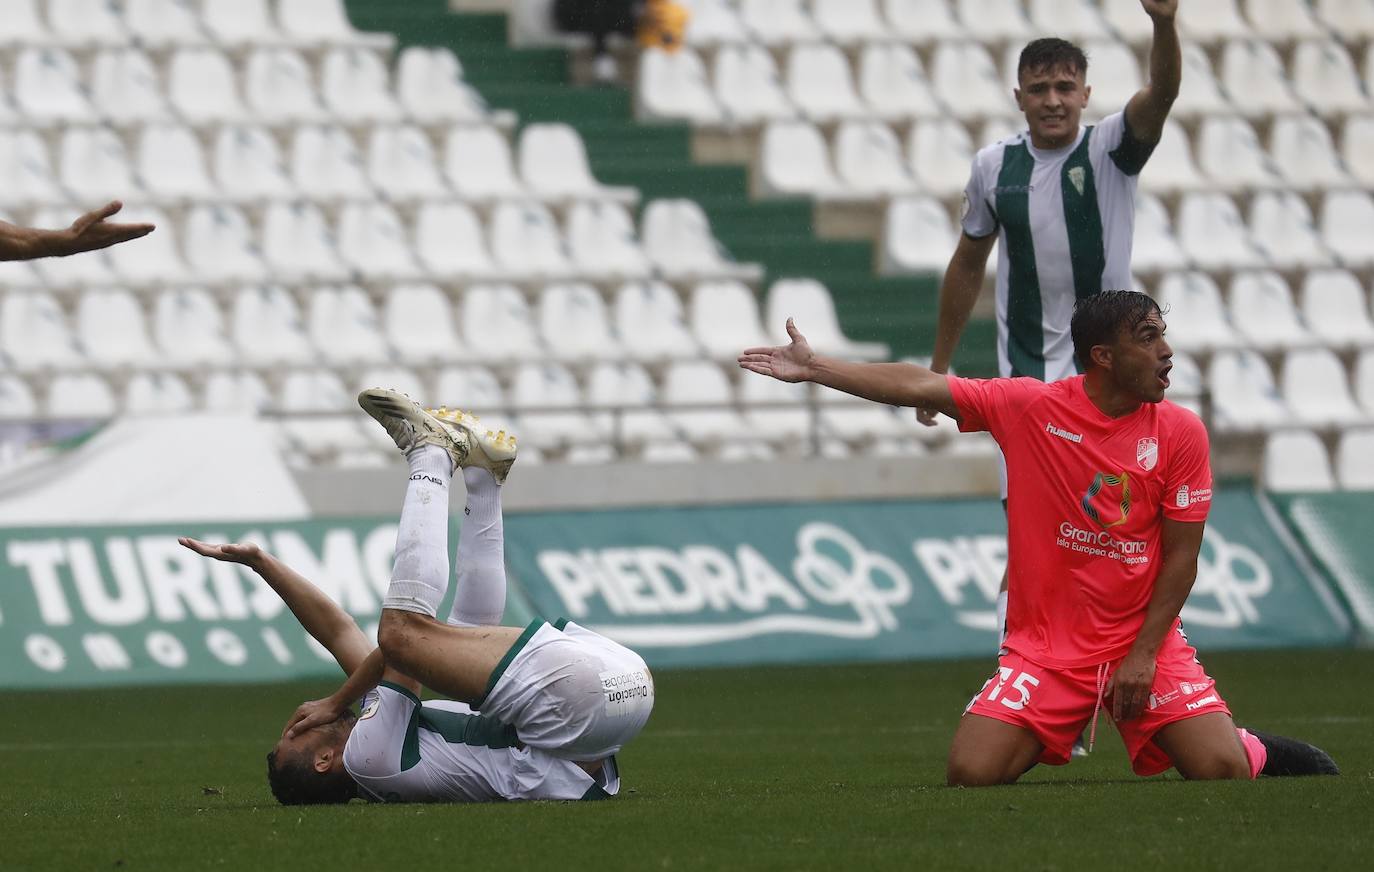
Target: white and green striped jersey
<point>1065,217</point>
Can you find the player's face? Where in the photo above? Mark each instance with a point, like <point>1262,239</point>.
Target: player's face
<point>1142,358</point>
<point>310,743</point>
<point>1053,101</point>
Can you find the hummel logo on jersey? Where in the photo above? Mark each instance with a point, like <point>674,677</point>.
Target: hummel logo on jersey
<point>1206,700</point>
<point>1078,175</point>
<point>1063,434</point>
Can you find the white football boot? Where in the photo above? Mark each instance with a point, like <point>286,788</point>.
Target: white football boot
<point>409,424</point>
<point>492,451</point>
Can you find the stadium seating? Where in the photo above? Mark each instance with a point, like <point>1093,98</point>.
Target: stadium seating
<point>1296,461</point>
<point>1355,460</point>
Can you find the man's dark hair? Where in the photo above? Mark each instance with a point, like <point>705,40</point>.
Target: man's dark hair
<point>295,782</point>
<point>1051,53</point>
<point>1099,320</point>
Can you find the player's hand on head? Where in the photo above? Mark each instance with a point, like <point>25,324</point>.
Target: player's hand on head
<point>231,552</point>
<point>1160,8</point>
<point>308,715</point>
<point>789,363</point>
<point>94,230</point>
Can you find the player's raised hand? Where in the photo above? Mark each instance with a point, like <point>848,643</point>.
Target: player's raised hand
<point>1160,9</point>
<point>789,363</point>
<point>94,231</point>
<point>1129,687</point>
<point>230,552</point>
<point>308,715</point>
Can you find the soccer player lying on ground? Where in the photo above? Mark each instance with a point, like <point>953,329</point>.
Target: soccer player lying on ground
<point>1110,487</point>
<point>556,701</point>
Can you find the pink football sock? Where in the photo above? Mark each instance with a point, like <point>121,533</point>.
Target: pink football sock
<point>1255,751</point>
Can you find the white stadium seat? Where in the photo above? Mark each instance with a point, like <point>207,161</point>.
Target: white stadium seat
<point>81,396</point>
<point>1364,380</point>
<point>869,159</point>
<point>1213,234</point>
<point>1346,219</point>
<point>94,164</point>
<point>1281,20</point>
<point>1296,461</point>
<point>267,328</point>
<point>994,21</point>
<point>157,393</point>
<point>111,330</point>
<point>236,391</point>
<point>1262,310</point>
<point>172,164</point>
<point>299,245</point>
<point>1354,18</point>
<point>893,82</point>
<point>319,436</point>
<point>699,383</point>
<point>857,421</point>
<point>1185,381</point>
<point>1304,154</point>
<point>240,23</point>
<point>747,85</point>
<point>396,378</point>
<point>547,401</point>
<point>48,88</point>
<point>401,163</point>
<point>601,241</point>
<point>281,89</point>
<point>1212,22</point>
<point>344,328</point>
<point>553,165</point>
<point>35,333</point>
<point>575,325</point>
<point>86,22</point>
<point>525,241</point>
<point>1125,20</point>
<point>1115,74</point>
<point>1171,166</point>
<point>820,83</point>
<point>16,399</point>
<point>1281,226</point>
<point>160,24</point>
<point>1325,78</point>
<point>678,241</point>
<point>153,260</point>
<point>326,164</point>
<point>220,247</point>
<point>1244,398</point>
<point>430,86</point>
<point>374,242</point>
<point>1355,460</point>
<point>26,172</point>
<point>202,88</point>
<point>1156,247</point>
<point>725,319</point>
<point>474,389</point>
<point>325,22</point>
<point>810,303</point>
<point>941,155</point>
<point>125,88</point>
<point>188,328</point>
<point>1231,156</point>
<point>1316,389</point>
<point>1255,78</point>
<point>1078,20</point>
<point>923,21</point>
<point>22,25</point>
<point>1198,320</point>
<point>1199,93</point>
<point>477,161</point>
<point>451,242</point>
<point>1357,148</point>
<point>418,323</point>
<point>1335,307</point>
<point>918,235</point>
<point>777,412</point>
<point>635,417</point>
<point>777,22</point>
<point>675,85</point>
<point>248,165</point>
<point>496,324</point>
<point>796,161</point>
<point>968,82</point>
<point>356,87</point>
<point>849,22</point>
<point>714,22</point>
<point>650,322</point>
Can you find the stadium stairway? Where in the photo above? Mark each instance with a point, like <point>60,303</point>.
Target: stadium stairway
<point>656,158</point>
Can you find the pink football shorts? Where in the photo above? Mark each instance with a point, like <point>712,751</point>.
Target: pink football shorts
<point>1057,704</point>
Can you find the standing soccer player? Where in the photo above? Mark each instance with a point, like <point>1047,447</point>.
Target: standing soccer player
<point>1061,199</point>
<point>1111,485</point>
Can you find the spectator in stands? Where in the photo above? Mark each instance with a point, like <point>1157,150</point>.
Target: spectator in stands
<point>598,19</point>
<point>662,25</point>
<point>90,232</point>
<point>1061,198</point>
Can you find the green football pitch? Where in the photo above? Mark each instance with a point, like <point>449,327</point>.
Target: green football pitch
<point>781,768</point>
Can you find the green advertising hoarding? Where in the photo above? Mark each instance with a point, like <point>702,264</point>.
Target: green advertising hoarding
<point>1336,527</point>
<point>865,581</point>
<point>696,586</point>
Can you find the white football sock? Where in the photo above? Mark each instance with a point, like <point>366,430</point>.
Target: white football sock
<point>481,559</point>
<point>420,574</point>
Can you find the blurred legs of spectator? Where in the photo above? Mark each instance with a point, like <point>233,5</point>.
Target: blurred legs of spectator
<point>598,19</point>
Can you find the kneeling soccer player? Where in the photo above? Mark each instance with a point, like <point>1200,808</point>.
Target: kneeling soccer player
<point>1110,485</point>
<point>543,711</point>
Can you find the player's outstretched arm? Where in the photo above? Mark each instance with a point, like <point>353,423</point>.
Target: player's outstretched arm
<point>330,625</point>
<point>896,384</point>
<point>1149,108</point>
<point>1129,687</point>
<point>87,233</point>
<point>958,293</point>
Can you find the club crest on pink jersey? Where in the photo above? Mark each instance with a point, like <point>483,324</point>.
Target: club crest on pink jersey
<point>1147,453</point>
